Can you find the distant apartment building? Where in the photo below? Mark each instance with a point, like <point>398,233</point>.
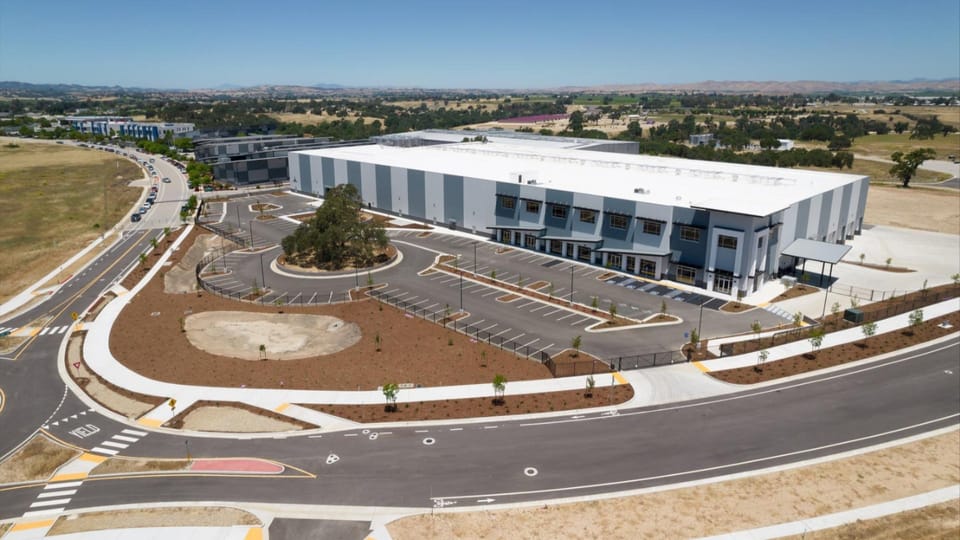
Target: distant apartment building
<point>109,126</point>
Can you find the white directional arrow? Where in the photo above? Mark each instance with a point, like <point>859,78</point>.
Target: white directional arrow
<point>73,416</point>
<point>488,500</point>
<point>55,424</point>
<point>577,416</point>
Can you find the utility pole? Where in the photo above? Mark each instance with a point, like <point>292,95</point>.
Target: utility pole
<point>263,278</point>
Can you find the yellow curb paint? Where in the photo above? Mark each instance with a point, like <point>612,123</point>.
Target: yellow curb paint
<point>69,476</point>
<point>765,304</point>
<point>620,379</point>
<point>26,526</point>
<point>255,533</point>
<point>701,367</point>
<point>35,331</point>
<point>150,422</point>
<point>92,458</point>
<point>282,408</point>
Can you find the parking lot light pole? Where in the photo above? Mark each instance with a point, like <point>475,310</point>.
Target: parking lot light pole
<point>263,279</point>
<point>700,322</point>
<point>571,284</point>
<point>475,258</point>
<point>460,271</point>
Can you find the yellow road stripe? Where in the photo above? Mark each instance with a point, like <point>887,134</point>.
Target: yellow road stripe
<point>620,379</point>
<point>255,533</point>
<point>282,407</point>
<point>92,458</point>
<point>701,367</point>
<point>150,422</point>
<point>763,305</point>
<point>35,331</point>
<point>69,476</point>
<point>26,526</point>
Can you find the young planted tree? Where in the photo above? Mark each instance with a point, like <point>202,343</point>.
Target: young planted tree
<point>797,319</point>
<point>613,310</point>
<point>591,383</point>
<point>263,352</point>
<point>663,307</point>
<point>143,259</point>
<point>889,260</point>
<point>868,329</point>
<point>816,340</point>
<point>862,257</point>
<point>499,387</point>
<point>594,303</point>
<point>153,243</point>
<point>493,274</point>
<point>916,319</point>
<point>761,358</point>
<point>577,341</point>
<point>550,290</point>
<point>390,391</point>
<point>756,327</point>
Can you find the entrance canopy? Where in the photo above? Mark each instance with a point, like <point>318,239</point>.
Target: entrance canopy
<point>803,248</point>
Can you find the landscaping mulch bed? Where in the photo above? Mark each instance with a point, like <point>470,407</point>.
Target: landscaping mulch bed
<point>795,292</point>
<point>84,381</point>
<point>508,298</point>
<point>842,354</point>
<point>537,285</point>
<point>476,407</point>
<point>305,262</point>
<point>142,269</point>
<point>884,267</point>
<point>736,307</point>
<point>412,350</point>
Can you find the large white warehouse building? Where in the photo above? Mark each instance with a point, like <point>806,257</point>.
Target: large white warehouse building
<point>720,226</point>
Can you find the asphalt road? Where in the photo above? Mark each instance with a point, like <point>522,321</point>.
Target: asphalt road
<point>497,461</point>
<point>509,461</point>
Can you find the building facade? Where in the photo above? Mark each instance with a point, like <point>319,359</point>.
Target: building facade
<point>109,126</point>
<point>718,226</point>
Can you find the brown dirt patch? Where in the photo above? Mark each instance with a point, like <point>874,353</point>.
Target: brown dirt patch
<point>537,285</point>
<point>187,516</point>
<point>264,207</point>
<point>233,417</point>
<point>413,350</point>
<point>935,522</point>
<point>717,508</point>
<point>36,460</point>
<point>607,275</point>
<point>883,267</point>
<point>502,250</point>
<point>132,465</point>
<point>476,407</point>
<point>795,292</point>
<point>424,234</point>
<point>736,307</point>
<point>841,354</point>
<point>141,269</point>
<point>265,217</point>
<point>305,263</point>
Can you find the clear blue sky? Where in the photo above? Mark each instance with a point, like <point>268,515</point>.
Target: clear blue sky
<point>475,44</point>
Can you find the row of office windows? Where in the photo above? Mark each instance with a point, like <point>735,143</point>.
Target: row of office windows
<point>585,215</point>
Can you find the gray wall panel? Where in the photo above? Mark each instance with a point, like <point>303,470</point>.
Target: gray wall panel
<point>416,193</point>
<point>453,199</point>
<point>384,198</point>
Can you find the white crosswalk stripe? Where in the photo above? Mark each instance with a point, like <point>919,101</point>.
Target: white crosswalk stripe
<point>44,331</point>
<point>61,493</point>
<point>64,329</point>
<point>54,502</point>
<point>112,444</point>
<point>63,485</point>
<point>106,451</point>
<point>124,438</point>
<point>134,432</point>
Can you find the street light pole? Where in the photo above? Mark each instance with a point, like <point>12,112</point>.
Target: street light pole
<point>700,321</point>
<point>262,277</point>
<point>461,283</point>
<point>474,259</point>
<point>571,284</point>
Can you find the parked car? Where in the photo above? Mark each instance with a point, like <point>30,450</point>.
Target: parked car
<point>135,218</point>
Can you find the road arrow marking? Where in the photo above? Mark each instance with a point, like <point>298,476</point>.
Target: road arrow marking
<point>488,500</point>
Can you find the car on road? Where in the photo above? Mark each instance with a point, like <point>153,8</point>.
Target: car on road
<point>135,218</point>
<point>143,209</point>
<point>152,160</point>
<point>166,180</point>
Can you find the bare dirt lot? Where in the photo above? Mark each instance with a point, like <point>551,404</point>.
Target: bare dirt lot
<point>914,208</point>
<point>720,508</point>
<point>36,460</point>
<point>154,517</point>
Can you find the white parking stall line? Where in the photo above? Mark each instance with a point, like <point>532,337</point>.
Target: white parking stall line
<point>501,332</point>
<point>61,493</point>
<point>392,291</point>
<point>495,291</point>
<point>449,279</point>
<point>478,322</point>
<point>432,305</point>
<point>481,268</point>
<point>489,327</point>
<point>330,299</point>
<point>536,309</point>
<point>470,286</point>
<point>579,321</point>
<point>525,259</point>
<point>526,304</point>
<point>543,349</point>
<point>547,314</point>
<point>439,276</point>
<point>514,338</point>
<point>310,301</point>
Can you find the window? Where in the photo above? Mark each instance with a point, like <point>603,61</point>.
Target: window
<point>558,211</point>
<point>530,241</point>
<point>533,207</point>
<point>729,242</point>
<point>507,202</point>
<point>686,274</point>
<point>648,268</point>
<point>588,216</point>
<point>690,234</point>
<point>651,227</point>
<point>760,243</point>
<point>583,253</point>
<point>618,222</point>
<point>614,260</point>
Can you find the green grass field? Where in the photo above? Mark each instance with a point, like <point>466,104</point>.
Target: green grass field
<point>884,145</point>
<point>51,205</point>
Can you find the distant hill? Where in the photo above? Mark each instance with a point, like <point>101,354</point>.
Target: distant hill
<point>913,86</point>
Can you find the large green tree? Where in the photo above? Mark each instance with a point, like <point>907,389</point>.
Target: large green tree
<point>337,234</point>
<point>905,165</point>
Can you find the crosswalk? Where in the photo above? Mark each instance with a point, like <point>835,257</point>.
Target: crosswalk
<point>114,445</point>
<point>54,498</point>
<point>45,331</point>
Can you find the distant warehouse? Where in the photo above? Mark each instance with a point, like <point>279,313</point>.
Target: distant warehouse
<point>109,126</point>
<point>720,226</point>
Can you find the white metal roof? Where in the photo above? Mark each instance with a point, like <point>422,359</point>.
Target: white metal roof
<point>710,185</point>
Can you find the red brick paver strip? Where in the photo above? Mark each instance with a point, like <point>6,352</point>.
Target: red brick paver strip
<point>236,465</point>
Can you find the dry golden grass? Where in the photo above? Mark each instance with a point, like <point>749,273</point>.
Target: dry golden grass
<point>878,171</point>
<point>155,517</point>
<point>37,460</point>
<point>936,210</point>
<point>130,465</point>
<point>885,145</point>
<point>934,522</point>
<point>314,119</point>
<point>725,507</point>
<point>51,206</point>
